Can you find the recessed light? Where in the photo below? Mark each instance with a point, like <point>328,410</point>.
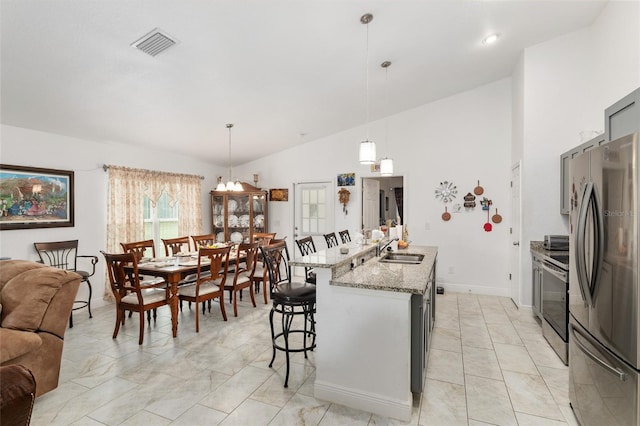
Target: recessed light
<point>490,39</point>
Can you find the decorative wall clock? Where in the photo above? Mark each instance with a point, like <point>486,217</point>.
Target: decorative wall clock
<point>446,191</point>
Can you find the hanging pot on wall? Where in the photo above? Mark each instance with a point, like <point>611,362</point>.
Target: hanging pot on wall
<point>446,215</point>
<point>478,190</point>
<point>488,226</point>
<point>496,218</point>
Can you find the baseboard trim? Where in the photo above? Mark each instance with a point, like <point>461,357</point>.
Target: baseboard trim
<point>476,289</point>
<point>372,403</point>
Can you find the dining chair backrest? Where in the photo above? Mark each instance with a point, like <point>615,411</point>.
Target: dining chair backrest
<point>121,282</point>
<point>213,264</point>
<point>306,245</point>
<point>140,248</point>
<point>276,258</point>
<point>331,239</point>
<point>344,236</point>
<point>176,245</point>
<point>203,240</point>
<point>247,259</point>
<point>263,238</point>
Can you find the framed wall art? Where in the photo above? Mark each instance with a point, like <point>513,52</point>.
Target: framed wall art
<point>279,194</point>
<point>346,179</point>
<point>32,197</point>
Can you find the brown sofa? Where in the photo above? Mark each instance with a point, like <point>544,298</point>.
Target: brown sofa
<point>36,302</point>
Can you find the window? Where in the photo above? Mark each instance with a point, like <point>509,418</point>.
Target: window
<point>160,221</point>
<point>314,211</point>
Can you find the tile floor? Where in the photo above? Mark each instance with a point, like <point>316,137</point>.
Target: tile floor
<point>488,364</point>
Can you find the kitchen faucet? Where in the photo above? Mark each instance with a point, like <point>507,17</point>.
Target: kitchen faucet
<point>379,249</point>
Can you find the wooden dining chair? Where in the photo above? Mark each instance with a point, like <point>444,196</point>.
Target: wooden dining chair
<point>306,246</point>
<point>203,240</point>
<point>344,236</point>
<point>243,274</point>
<point>64,255</point>
<point>331,239</point>
<point>176,245</point>
<point>131,293</point>
<point>140,248</point>
<point>260,275</point>
<point>213,264</point>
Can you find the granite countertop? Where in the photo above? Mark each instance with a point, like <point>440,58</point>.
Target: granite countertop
<point>404,278</point>
<point>332,258</point>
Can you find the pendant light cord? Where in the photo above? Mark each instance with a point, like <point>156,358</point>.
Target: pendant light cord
<point>229,126</point>
<point>367,85</point>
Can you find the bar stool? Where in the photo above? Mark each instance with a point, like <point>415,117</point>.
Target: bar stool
<point>306,246</point>
<point>331,239</point>
<point>290,299</point>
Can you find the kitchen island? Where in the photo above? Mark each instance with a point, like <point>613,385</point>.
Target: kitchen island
<point>364,325</point>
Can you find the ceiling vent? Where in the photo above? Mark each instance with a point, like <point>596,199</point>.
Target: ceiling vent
<point>154,43</point>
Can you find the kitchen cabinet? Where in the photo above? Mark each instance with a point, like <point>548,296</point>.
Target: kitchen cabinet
<point>565,190</point>
<point>623,117</point>
<point>237,215</point>
<point>536,280</point>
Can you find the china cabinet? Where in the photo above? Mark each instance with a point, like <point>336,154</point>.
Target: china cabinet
<point>237,215</point>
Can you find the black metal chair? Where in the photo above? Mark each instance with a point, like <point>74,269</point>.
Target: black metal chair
<point>306,246</point>
<point>290,299</point>
<point>344,236</point>
<point>331,239</point>
<point>64,255</point>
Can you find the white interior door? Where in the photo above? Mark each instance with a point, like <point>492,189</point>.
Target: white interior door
<point>515,234</point>
<point>370,203</point>
<point>314,212</point>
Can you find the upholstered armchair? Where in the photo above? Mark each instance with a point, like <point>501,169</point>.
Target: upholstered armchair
<point>35,303</point>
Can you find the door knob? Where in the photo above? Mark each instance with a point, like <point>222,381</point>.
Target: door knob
<point>516,243</point>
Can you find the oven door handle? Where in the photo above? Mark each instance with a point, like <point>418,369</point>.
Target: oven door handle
<point>562,276</point>
<point>611,369</point>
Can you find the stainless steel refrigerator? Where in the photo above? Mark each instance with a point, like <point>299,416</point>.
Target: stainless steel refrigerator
<point>604,290</point>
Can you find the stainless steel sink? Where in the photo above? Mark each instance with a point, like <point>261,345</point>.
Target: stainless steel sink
<point>406,258</point>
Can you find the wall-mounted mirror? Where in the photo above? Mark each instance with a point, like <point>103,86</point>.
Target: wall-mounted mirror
<point>382,201</point>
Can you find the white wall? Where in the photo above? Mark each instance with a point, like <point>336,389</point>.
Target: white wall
<point>463,139</point>
<point>563,86</point>
<point>25,147</point>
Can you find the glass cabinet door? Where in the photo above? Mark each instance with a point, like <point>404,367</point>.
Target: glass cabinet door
<point>259,213</point>
<point>218,219</point>
<point>238,218</point>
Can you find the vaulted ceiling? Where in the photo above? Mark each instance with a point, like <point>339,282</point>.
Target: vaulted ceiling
<point>285,72</point>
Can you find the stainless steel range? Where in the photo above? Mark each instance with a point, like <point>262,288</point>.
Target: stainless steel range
<point>555,302</point>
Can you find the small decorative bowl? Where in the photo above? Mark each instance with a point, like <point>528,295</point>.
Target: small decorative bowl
<point>344,250</point>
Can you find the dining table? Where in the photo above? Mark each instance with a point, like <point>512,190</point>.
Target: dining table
<point>174,269</point>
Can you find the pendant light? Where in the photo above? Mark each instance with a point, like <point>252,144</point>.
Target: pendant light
<point>231,185</point>
<point>386,164</point>
<point>367,147</point>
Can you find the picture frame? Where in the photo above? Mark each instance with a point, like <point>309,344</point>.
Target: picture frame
<point>33,197</point>
<point>279,194</point>
<point>346,179</point>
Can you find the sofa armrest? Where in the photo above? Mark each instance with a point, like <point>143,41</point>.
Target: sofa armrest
<point>15,343</point>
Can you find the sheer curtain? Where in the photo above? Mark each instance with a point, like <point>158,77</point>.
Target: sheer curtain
<point>125,204</point>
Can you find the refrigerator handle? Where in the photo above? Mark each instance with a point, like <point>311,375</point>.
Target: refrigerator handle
<point>581,229</point>
<point>611,369</point>
<point>599,243</point>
